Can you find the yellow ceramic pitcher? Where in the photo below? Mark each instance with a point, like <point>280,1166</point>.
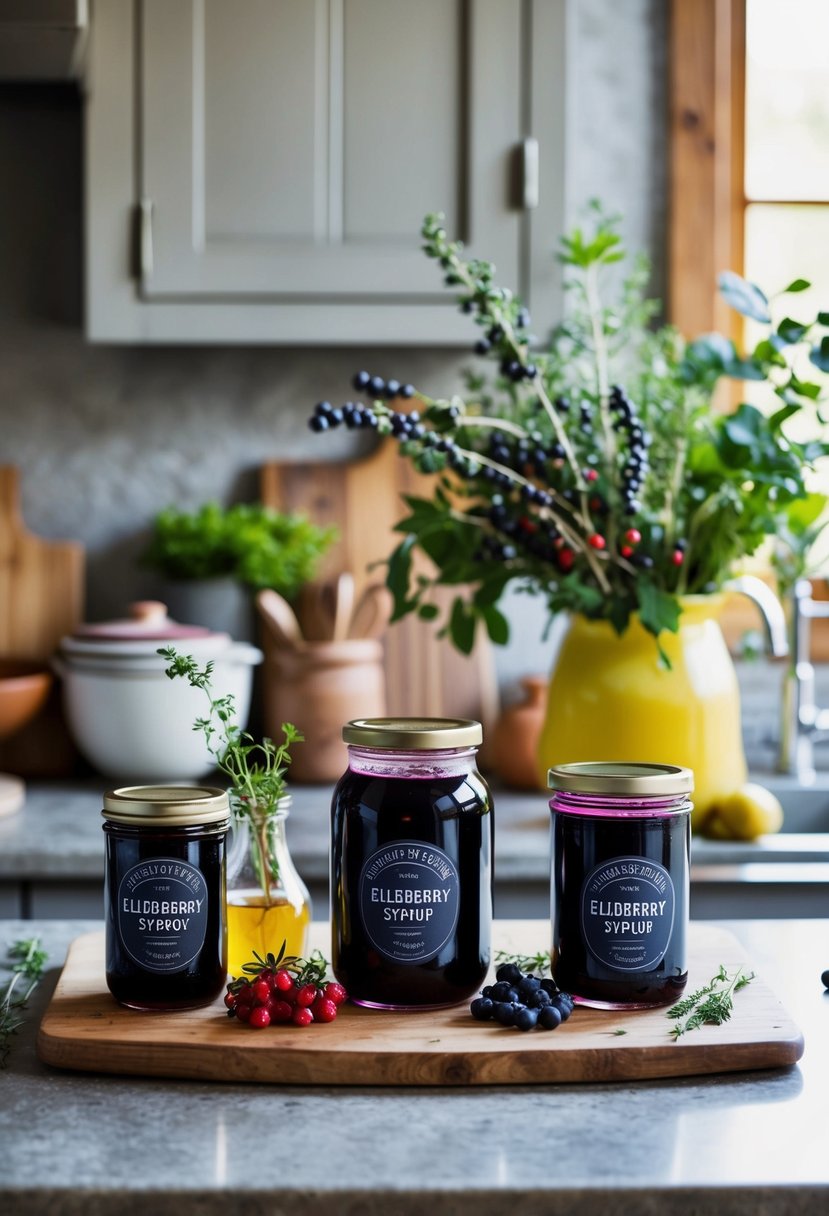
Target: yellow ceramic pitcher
<point>609,699</point>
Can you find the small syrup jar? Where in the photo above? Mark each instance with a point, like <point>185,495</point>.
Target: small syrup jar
<point>411,864</point>
<point>621,837</point>
<point>165,900</point>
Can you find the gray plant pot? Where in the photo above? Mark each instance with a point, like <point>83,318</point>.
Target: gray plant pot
<point>221,604</point>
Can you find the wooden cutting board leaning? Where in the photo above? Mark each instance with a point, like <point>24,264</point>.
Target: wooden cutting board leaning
<point>41,599</point>
<point>83,1028</point>
<point>424,675</point>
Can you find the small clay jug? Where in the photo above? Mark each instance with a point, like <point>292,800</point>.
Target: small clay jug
<point>320,687</point>
<point>513,749</point>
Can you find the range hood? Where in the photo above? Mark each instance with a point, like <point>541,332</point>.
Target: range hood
<point>42,39</point>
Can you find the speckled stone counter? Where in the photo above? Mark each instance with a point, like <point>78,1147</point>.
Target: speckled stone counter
<point>752,1144</point>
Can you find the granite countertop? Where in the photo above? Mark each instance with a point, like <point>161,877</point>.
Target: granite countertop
<point>57,835</point>
<point>738,1144</point>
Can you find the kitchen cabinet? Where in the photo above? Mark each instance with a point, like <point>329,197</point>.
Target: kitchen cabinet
<point>258,171</point>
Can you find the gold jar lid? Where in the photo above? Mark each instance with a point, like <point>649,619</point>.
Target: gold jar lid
<point>166,805</point>
<point>620,777</point>
<point>413,734</point>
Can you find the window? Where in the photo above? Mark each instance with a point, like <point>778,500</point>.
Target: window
<point>749,166</point>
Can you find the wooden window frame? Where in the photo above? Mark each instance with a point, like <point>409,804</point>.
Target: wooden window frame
<point>706,167</point>
<point>707,200</point>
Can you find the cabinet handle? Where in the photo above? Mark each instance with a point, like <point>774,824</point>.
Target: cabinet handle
<point>529,173</point>
<point>145,237</point>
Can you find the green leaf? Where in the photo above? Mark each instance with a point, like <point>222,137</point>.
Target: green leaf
<point>780,416</point>
<point>797,285</point>
<point>658,610</point>
<point>743,427</point>
<point>428,612</point>
<point>791,331</point>
<point>819,355</point>
<point>462,626</point>
<point>744,297</point>
<point>398,574</point>
<point>743,369</point>
<point>497,625</point>
<point>803,512</point>
<point>804,388</point>
<point>823,318</point>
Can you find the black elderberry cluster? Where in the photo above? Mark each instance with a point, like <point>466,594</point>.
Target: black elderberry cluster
<point>626,423</point>
<point>364,382</point>
<point>523,1000</point>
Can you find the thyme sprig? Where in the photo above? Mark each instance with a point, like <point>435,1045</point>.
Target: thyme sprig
<point>526,962</point>
<point>30,961</point>
<point>256,771</point>
<point>711,1005</point>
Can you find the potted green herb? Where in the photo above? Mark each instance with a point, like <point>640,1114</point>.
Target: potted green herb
<point>597,474</point>
<point>214,559</point>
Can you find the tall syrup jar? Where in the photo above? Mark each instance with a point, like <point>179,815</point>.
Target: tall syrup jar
<point>165,897</point>
<point>411,864</point>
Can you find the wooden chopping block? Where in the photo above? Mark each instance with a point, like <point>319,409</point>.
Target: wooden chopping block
<point>425,675</point>
<point>41,599</point>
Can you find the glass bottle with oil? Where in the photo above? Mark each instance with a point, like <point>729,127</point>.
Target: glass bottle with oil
<point>267,901</point>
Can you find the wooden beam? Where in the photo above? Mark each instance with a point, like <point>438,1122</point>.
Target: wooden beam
<point>706,172</point>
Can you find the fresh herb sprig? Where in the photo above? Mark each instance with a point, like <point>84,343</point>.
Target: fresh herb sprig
<point>711,1005</point>
<point>29,962</point>
<point>256,770</point>
<point>525,962</point>
<point>311,970</point>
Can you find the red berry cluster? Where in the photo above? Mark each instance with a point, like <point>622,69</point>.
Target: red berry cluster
<point>276,991</point>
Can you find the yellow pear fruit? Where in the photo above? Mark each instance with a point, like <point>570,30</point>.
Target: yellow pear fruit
<point>749,812</point>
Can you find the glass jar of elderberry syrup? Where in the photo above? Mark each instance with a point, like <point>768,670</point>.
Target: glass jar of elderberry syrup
<point>166,934</point>
<point>621,836</point>
<point>411,864</point>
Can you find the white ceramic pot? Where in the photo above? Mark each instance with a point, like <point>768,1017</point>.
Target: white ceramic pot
<point>129,719</point>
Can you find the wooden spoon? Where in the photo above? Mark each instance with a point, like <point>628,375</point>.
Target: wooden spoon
<point>280,619</point>
<point>315,613</point>
<point>371,616</point>
<point>343,593</point>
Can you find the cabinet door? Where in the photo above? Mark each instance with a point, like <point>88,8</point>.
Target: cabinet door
<point>281,155</point>
<point>291,150</point>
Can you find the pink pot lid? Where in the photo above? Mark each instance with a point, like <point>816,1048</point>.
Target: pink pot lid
<point>148,622</point>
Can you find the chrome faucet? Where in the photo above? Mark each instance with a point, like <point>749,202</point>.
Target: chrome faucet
<point>771,610</point>
<point>803,724</point>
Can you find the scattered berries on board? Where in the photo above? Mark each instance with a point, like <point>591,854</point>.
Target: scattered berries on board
<point>521,999</point>
<point>282,990</point>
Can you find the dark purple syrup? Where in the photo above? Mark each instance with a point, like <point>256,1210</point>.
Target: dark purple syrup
<point>603,844</point>
<point>148,950</point>
<point>446,823</point>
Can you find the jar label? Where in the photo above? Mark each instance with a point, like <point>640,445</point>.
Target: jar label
<point>627,913</point>
<point>409,900</point>
<point>162,914</point>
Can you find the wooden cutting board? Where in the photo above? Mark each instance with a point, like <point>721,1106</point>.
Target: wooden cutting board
<point>424,675</point>
<point>41,581</point>
<point>83,1028</point>
<point>41,599</point>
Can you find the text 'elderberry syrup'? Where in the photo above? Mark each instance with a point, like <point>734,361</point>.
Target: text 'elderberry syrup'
<point>411,864</point>
<point>621,836</point>
<point>166,935</point>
